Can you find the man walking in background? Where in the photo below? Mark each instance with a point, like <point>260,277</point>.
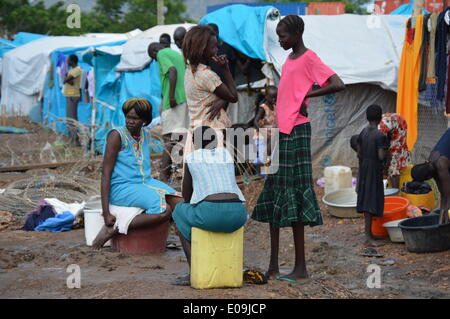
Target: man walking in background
<point>174,113</point>
<point>72,93</point>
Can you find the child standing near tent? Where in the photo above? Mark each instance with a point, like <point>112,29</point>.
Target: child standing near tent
<point>371,146</point>
<point>264,121</point>
<point>288,198</point>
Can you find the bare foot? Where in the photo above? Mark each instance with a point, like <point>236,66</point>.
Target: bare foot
<point>272,274</point>
<point>105,234</point>
<point>298,276</point>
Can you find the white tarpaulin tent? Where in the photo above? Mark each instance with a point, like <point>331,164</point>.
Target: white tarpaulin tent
<point>135,56</point>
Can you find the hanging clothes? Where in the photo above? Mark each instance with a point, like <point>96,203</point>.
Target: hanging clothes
<point>90,79</point>
<point>424,54</point>
<point>408,77</point>
<point>441,53</point>
<point>431,70</point>
<point>63,67</point>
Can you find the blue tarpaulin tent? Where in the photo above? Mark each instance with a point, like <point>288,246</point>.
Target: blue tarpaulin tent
<point>20,39</point>
<point>5,46</point>
<point>25,37</point>
<point>113,89</point>
<point>242,27</point>
<point>54,103</point>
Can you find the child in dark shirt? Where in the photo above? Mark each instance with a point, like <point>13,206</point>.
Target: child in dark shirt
<point>371,146</point>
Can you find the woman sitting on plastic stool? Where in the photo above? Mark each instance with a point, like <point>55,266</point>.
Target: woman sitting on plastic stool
<point>126,177</point>
<point>213,201</point>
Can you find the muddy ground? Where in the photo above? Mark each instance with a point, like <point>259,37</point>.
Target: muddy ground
<point>34,264</point>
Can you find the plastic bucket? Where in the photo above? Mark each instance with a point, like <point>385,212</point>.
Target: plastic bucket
<point>342,203</point>
<point>93,223</point>
<point>143,240</point>
<point>405,175</point>
<point>424,200</point>
<point>423,234</point>
<point>395,208</point>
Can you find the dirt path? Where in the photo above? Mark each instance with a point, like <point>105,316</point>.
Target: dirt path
<point>33,265</point>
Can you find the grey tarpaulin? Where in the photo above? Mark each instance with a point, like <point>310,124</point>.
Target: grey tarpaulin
<point>336,117</point>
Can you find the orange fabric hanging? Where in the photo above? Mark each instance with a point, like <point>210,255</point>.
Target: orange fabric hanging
<point>408,79</point>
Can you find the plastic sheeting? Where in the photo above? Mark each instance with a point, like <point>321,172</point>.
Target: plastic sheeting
<point>336,117</point>
<point>114,88</point>
<point>135,57</point>
<point>242,27</point>
<point>156,31</point>
<point>22,38</point>
<point>6,46</point>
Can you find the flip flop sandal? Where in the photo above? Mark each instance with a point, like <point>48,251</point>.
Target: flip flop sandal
<point>287,279</point>
<point>370,252</point>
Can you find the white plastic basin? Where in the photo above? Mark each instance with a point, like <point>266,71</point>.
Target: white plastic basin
<point>342,203</point>
<point>395,233</point>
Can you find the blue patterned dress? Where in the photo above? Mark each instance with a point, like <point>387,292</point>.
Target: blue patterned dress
<point>131,182</point>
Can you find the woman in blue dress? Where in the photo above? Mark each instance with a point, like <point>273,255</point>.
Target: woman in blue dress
<point>126,176</point>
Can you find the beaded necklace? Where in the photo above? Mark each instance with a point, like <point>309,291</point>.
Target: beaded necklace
<point>136,146</point>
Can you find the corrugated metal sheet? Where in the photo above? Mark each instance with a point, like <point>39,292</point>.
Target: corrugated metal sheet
<point>285,8</point>
<point>325,8</point>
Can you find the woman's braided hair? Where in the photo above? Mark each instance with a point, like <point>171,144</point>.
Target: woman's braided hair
<point>293,23</point>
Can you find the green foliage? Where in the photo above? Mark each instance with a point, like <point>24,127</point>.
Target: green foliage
<point>108,16</point>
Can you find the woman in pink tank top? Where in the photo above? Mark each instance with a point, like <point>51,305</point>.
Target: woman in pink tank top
<point>288,198</point>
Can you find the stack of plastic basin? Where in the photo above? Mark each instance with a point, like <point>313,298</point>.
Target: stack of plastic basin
<point>395,208</point>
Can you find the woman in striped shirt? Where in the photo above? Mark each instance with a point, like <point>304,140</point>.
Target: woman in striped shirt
<point>213,201</point>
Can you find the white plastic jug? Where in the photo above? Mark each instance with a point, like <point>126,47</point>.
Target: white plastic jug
<point>337,177</point>
<point>93,223</point>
